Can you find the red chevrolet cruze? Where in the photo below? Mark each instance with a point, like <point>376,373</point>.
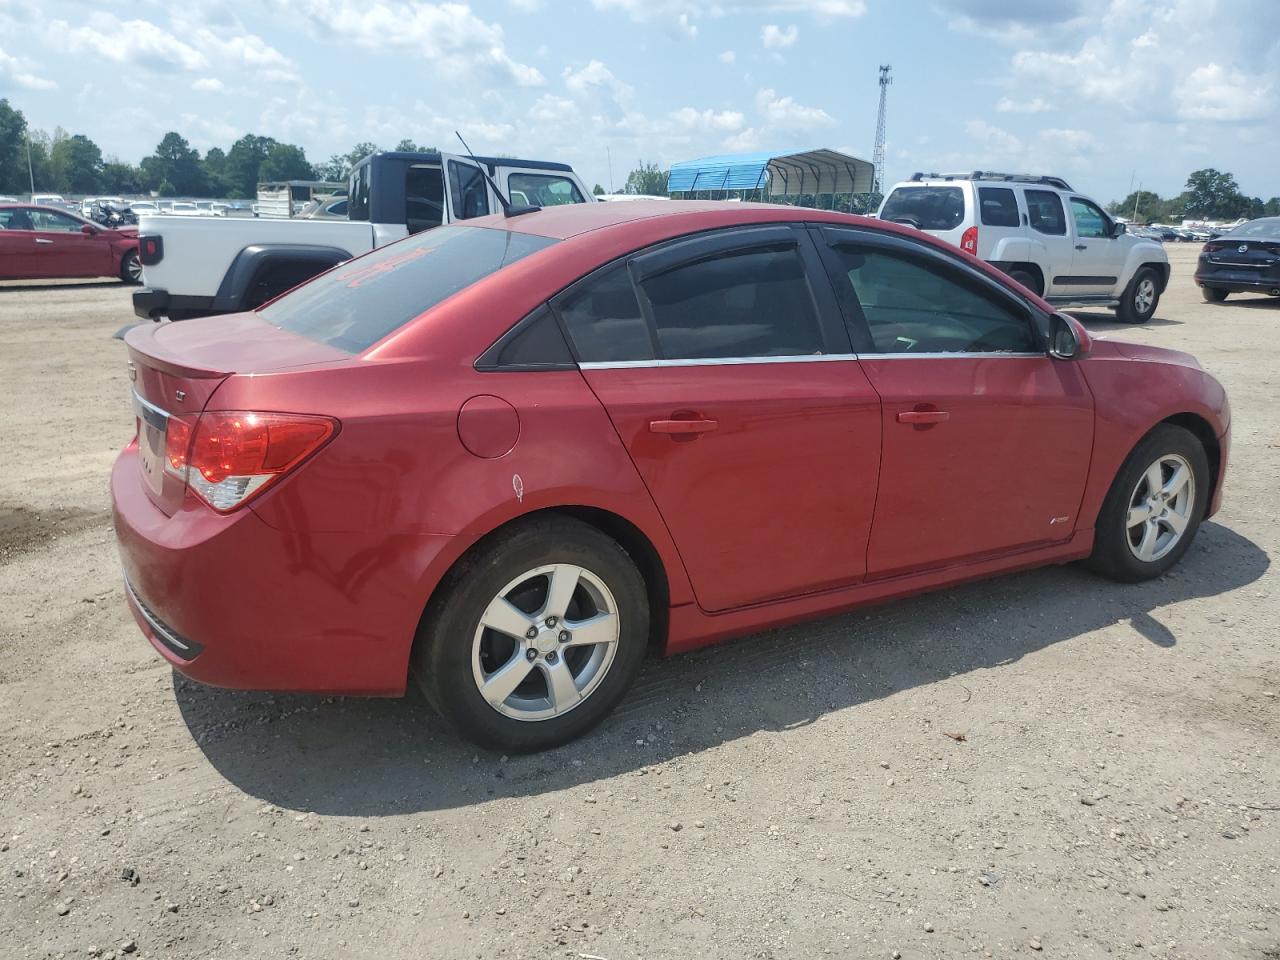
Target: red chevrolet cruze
<point>506,458</point>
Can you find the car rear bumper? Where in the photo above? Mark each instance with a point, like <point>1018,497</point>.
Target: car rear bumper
<point>1263,278</point>
<point>232,601</point>
<point>152,303</point>
<point>1238,285</point>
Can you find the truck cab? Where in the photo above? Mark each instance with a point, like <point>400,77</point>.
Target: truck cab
<point>223,265</point>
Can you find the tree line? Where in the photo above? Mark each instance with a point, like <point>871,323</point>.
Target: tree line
<point>1208,195</point>
<point>63,162</point>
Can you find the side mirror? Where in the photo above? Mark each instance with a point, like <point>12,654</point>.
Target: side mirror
<point>1118,228</point>
<point>88,230</point>
<point>1068,340</point>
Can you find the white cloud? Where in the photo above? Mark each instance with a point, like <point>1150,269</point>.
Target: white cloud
<point>727,57</point>
<point>208,85</point>
<point>774,37</point>
<point>446,34</point>
<point>992,139</point>
<point>16,70</point>
<point>526,6</point>
<point>1035,105</point>
<point>718,120</point>
<point>137,43</point>
<point>1223,95</point>
<point>786,114</point>
<point>680,14</point>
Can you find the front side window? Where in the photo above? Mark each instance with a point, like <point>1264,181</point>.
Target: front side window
<point>917,306</point>
<point>751,303</point>
<point>424,197</point>
<point>55,222</point>
<point>925,208</point>
<point>358,192</point>
<point>542,190</point>
<point>1044,211</point>
<point>999,206</point>
<point>470,196</point>
<point>16,218</point>
<point>355,305</point>
<point>1091,223</point>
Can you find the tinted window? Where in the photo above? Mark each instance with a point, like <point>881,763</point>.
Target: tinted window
<point>916,306</point>
<point>603,318</point>
<point>999,207</point>
<point>1090,221</point>
<point>355,305</point>
<point>535,343</point>
<point>1266,227</point>
<point>1044,211</point>
<point>929,208</point>
<point>424,198</point>
<point>358,191</point>
<point>542,190</point>
<point>470,196</point>
<point>15,218</point>
<point>755,303</point>
<point>54,222</point>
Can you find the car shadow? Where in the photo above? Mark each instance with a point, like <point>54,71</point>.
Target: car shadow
<point>1250,301</point>
<point>368,757</point>
<point>55,285</point>
<point>1107,321</point>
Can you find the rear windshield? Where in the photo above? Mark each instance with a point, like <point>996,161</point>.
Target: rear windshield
<point>1266,227</point>
<point>927,208</point>
<point>355,305</point>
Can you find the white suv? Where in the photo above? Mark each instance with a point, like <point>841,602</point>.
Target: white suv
<point>1054,241</point>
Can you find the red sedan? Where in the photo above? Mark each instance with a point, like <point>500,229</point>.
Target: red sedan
<point>41,243</point>
<point>507,458</point>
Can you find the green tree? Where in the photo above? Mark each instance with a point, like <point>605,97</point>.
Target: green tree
<point>76,163</point>
<point>244,163</point>
<point>215,172</point>
<point>119,177</point>
<point>338,167</point>
<point>597,190</point>
<point>1272,207</point>
<point>13,150</point>
<point>406,146</point>
<point>1211,193</point>
<point>648,178</point>
<point>176,164</point>
<point>284,161</point>
<point>1146,202</point>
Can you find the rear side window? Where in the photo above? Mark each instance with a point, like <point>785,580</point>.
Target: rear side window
<point>358,191</point>
<point>926,208</point>
<point>424,197</point>
<point>917,306</point>
<point>754,303</point>
<point>542,190</point>
<point>358,303</point>
<point>603,318</point>
<point>1044,211</point>
<point>999,207</point>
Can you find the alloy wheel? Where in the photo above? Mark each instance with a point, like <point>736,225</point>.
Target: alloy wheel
<point>1144,296</point>
<point>545,642</point>
<point>1160,508</point>
<point>133,266</point>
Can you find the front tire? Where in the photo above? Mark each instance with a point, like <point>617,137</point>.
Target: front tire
<point>1154,507</point>
<point>1140,298</point>
<point>131,267</point>
<point>535,636</point>
<point>1213,294</point>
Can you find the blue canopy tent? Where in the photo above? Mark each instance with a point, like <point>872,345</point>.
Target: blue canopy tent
<point>772,175</point>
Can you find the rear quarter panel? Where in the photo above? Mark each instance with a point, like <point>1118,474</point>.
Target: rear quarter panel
<point>1132,396</point>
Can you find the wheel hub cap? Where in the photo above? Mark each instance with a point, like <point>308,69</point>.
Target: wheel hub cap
<point>1160,508</point>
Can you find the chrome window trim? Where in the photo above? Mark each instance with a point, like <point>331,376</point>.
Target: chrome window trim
<point>715,361</point>
<point>149,412</point>
<point>740,361</point>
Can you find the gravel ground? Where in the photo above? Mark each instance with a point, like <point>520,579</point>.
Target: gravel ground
<point>1043,764</point>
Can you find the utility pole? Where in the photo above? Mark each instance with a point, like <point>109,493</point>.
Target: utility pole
<point>1135,202</point>
<point>30,171</point>
<point>609,154</point>
<point>877,156</point>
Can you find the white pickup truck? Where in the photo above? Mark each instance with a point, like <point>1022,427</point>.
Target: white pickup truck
<point>197,267</point>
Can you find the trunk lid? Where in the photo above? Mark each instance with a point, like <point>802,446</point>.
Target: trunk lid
<point>175,368</point>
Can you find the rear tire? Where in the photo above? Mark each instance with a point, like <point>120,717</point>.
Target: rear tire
<point>1140,298</point>
<point>131,267</point>
<point>579,662</point>
<point>1213,294</point>
<point>1027,279</point>
<point>1154,507</point>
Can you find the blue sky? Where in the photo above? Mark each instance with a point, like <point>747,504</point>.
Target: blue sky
<point>1104,92</point>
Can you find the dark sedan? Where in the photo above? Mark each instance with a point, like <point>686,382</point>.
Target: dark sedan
<point>1246,260</point>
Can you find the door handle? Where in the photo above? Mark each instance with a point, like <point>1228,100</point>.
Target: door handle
<point>923,416</point>
<point>42,240</point>
<point>1081,246</point>
<point>682,427</point>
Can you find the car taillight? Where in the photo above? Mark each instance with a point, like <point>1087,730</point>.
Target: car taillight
<point>1211,247</point>
<point>969,241</point>
<point>228,456</point>
<point>150,250</point>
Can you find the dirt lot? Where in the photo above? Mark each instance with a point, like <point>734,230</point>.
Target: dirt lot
<point>795,794</point>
